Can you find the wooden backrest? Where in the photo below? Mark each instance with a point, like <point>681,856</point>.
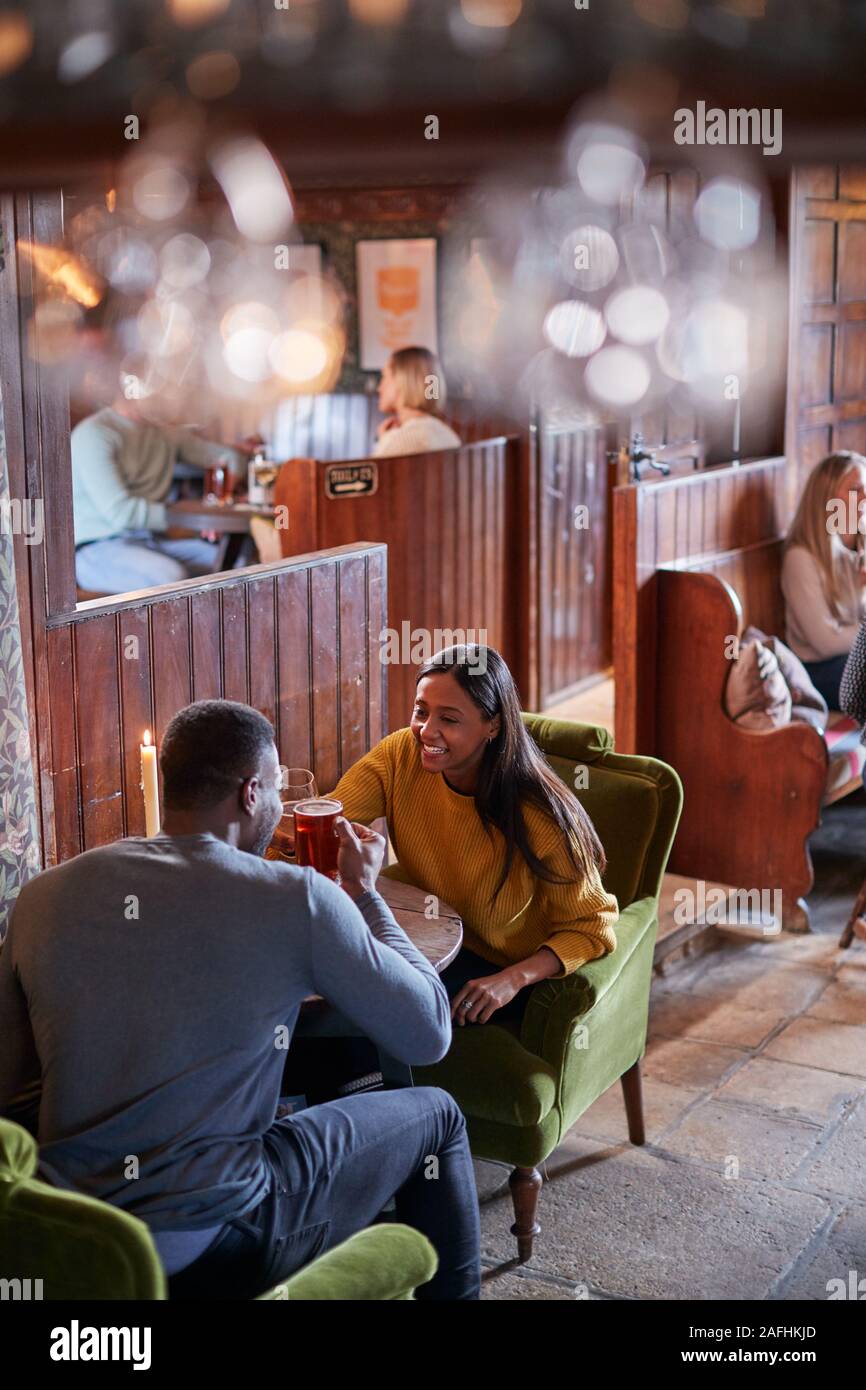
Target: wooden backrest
<point>455,533</point>
<point>728,520</point>
<point>296,639</point>
<point>753,575</point>
<point>751,798</point>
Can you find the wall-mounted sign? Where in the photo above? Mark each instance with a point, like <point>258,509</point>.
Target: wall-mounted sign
<point>396,298</point>
<point>351,479</point>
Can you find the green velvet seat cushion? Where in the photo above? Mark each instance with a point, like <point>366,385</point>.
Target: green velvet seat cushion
<point>491,1075</point>
<point>382,1262</point>
<point>77,1246</point>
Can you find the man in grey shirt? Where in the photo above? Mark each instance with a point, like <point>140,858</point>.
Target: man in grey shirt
<point>154,984</point>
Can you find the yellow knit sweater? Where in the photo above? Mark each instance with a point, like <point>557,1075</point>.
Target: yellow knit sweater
<point>443,848</point>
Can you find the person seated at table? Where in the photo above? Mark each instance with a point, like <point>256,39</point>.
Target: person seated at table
<point>153,984</point>
<point>479,819</point>
<point>823,576</point>
<point>122,470</point>
<point>412,394</point>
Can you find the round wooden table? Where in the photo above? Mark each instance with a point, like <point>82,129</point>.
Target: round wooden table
<point>437,938</point>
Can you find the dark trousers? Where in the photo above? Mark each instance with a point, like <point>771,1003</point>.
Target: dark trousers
<point>316,1067</point>
<point>467,966</point>
<point>826,676</point>
<point>334,1168</point>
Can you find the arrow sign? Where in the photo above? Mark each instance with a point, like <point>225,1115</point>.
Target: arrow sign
<point>351,479</point>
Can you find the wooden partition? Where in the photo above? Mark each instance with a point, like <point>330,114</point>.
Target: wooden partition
<point>294,639</point>
<point>456,546</point>
<point>723,513</point>
<point>573,588</point>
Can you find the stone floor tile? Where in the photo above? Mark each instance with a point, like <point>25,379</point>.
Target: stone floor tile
<point>639,1225</point>
<point>683,1062</point>
<point>511,1287</point>
<point>844,999</point>
<point>726,1021</point>
<point>836,1258</point>
<point>808,1092</point>
<point>839,1166</point>
<point>819,1042</point>
<point>662,1106</point>
<point>742,1142</point>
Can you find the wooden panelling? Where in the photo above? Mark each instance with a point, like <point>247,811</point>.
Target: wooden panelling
<point>573,582</point>
<point>118,668</point>
<point>680,522</point>
<point>454,538</point>
<point>827,345</point>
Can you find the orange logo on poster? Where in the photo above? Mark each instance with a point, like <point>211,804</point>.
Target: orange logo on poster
<point>398,288</point>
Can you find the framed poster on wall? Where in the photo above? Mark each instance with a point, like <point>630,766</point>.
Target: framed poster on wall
<point>396,298</point>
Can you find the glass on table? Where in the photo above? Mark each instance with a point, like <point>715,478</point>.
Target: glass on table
<point>217,484</point>
<point>296,784</point>
<point>316,842</point>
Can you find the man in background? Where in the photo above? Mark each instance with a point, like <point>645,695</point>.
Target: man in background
<point>123,468</point>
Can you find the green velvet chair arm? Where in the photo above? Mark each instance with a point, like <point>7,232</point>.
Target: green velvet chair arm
<point>557,1007</point>
<point>388,1261</point>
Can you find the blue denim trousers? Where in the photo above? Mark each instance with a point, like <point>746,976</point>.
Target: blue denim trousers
<point>334,1168</point>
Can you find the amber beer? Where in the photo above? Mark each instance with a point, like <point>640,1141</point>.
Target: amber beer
<point>316,840</point>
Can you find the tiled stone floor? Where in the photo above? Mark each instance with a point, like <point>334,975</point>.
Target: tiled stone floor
<point>752,1183</point>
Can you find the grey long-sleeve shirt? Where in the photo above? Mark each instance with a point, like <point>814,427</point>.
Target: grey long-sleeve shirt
<point>154,984</point>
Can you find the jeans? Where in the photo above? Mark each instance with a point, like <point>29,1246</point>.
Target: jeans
<point>334,1168</point>
<point>141,560</point>
<point>826,676</point>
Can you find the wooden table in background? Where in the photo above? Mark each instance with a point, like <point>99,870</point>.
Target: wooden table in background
<point>437,938</point>
<point>231,520</point>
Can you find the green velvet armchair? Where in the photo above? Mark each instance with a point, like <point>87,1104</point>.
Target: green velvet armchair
<point>522,1087</point>
<point>84,1249</point>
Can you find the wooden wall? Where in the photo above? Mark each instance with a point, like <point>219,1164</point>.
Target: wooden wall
<point>827,353</point>
<point>573,589</point>
<point>454,531</point>
<point>720,512</point>
<point>294,640</point>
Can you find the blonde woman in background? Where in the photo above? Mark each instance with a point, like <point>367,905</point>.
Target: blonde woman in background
<point>822,570</point>
<point>411,396</point>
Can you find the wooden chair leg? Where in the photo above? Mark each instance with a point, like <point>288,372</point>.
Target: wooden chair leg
<point>857,912</point>
<point>633,1096</point>
<point>525,1184</point>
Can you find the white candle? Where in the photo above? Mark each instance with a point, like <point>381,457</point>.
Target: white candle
<point>150,786</point>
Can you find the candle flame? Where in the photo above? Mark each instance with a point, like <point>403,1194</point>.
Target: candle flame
<point>147,738</point>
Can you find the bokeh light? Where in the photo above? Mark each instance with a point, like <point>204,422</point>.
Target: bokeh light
<point>589,257</point>
<point>728,214</point>
<point>574,328</point>
<point>16,40</point>
<point>617,376</point>
<point>637,315</point>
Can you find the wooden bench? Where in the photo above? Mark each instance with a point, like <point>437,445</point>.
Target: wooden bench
<point>752,799</point>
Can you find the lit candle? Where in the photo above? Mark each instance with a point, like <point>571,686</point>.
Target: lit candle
<point>150,786</point>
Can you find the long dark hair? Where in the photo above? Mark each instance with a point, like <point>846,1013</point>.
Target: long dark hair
<point>513,769</point>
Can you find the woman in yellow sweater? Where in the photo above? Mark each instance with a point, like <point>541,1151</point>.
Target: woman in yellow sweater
<point>478,818</point>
